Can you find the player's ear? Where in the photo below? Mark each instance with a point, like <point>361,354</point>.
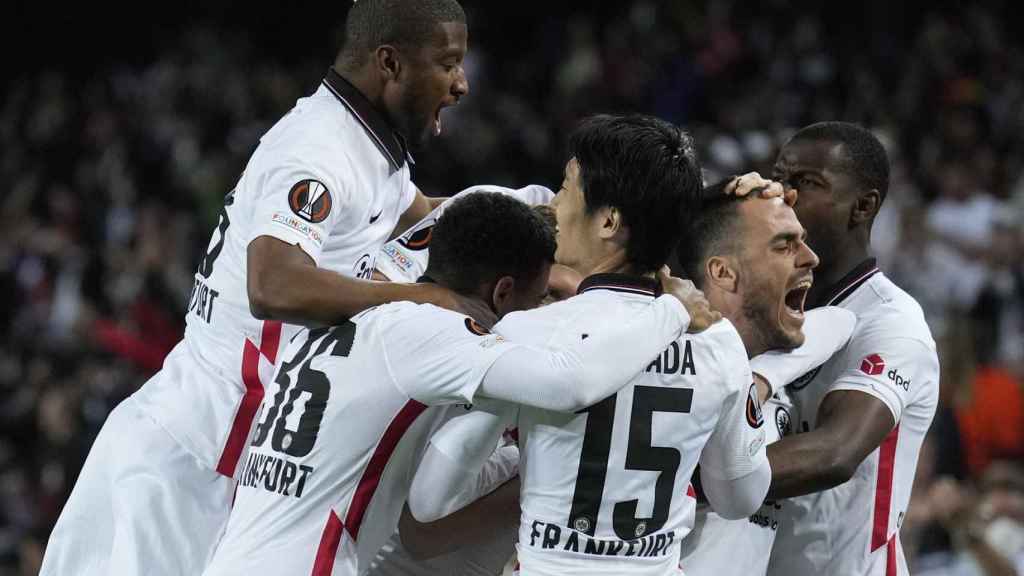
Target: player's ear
<point>610,222</point>
<point>720,272</point>
<point>866,207</point>
<point>502,295</point>
<point>387,61</point>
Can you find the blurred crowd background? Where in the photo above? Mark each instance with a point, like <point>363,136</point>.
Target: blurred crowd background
<point>118,142</point>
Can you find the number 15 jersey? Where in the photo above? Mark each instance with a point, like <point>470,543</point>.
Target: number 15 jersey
<point>604,490</point>
<point>343,427</point>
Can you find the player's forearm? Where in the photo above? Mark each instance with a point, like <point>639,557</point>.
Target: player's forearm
<point>808,463</point>
<point>304,294</point>
<point>474,523</point>
<point>738,498</point>
<point>443,486</point>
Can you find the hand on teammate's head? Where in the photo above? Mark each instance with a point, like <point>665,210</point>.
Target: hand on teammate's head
<point>754,183</point>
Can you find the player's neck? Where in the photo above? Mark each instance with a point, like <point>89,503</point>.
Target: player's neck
<point>613,263</point>
<point>477,308</point>
<point>364,81</point>
<point>828,274</point>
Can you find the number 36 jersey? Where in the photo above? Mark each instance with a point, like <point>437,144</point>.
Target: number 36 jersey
<point>604,490</point>
<point>343,426</point>
<point>329,177</point>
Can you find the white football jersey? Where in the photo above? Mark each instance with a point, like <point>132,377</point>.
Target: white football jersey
<point>604,490</point>
<point>404,259</point>
<point>343,429</point>
<point>330,177</point>
<point>853,529</point>
<point>711,549</point>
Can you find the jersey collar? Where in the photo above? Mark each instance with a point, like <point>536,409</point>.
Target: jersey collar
<point>388,140</point>
<point>842,289</point>
<point>628,283</point>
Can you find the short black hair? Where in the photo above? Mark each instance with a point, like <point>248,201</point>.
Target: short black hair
<point>866,158</point>
<point>373,23</point>
<point>483,236</point>
<point>647,169</point>
<point>709,231</point>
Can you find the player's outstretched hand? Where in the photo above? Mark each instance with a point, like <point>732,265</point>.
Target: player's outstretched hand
<point>701,314</point>
<point>754,183</point>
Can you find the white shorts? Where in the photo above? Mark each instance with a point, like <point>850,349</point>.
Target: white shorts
<point>142,505</point>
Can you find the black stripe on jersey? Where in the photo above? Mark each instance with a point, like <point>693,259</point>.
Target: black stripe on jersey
<point>629,283</point>
<point>842,289</point>
<point>590,477</point>
<point>388,140</point>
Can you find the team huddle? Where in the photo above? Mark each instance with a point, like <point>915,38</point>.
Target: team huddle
<point>642,373</point>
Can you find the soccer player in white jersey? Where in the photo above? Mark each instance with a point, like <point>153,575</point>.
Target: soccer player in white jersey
<point>603,490</point>
<point>326,187</point>
<point>405,260</point>
<point>352,406</point>
<point>747,253</point>
<point>864,413</point>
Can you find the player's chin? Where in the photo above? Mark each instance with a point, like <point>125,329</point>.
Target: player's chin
<point>790,329</point>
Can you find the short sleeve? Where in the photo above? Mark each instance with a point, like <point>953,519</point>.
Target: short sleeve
<point>438,357</point>
<point>298,204</point>
<point>737,444</point>
<point>892,369</point>
<point>405,258</point>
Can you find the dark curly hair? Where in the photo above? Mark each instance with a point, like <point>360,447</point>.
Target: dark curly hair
<point>484,236</point>
<point>646,168</point>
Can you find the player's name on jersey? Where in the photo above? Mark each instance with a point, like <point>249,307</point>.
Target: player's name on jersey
<point>548,536</point>
<point>275,475</point>
<point>674,361</point>
<point>200,302</point>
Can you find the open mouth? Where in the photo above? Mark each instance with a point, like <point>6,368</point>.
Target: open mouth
<point>437,121</point>
<point>795,298</point>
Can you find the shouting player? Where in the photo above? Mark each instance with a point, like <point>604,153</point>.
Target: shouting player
<point>864,413</point>
<point>353,405</point>
<point>603,490</point>
<point>747,253</point>
<point>327,186</point>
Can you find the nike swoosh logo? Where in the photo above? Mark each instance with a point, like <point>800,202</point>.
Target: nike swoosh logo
<point>375,218</point>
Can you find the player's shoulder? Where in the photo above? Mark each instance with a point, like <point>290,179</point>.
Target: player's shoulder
<point>884,310</point>
<point>542,324</point>
<point>316,130</point>
<point>722,340</point>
